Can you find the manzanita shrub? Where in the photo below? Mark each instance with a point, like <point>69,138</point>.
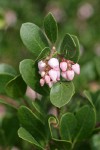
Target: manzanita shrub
<point>50,73</point>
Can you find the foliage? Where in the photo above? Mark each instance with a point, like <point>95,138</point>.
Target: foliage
<point>76,124</point>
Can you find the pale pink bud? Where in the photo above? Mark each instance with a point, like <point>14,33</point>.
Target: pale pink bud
<point>70,75</point>
<point>63,66</point>
<point>54,63</point>
<point>76,68</point>
<point>41,65</point>
<point>50,84</point>
<point>63,74</point>
<point>53,75</point>
<point>47,79</point>
<point>42,73</point>
<point>42,81</point>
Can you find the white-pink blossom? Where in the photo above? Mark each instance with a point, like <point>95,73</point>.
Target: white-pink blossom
<point>70,75</point>
<point>54,63</point>
<point>41,65</point>
<point>76,68</point>
<point>42,81</point>
<point>63,66</point>
<point>47,79</point>
<point>63,74</point>
<point>53,75</point>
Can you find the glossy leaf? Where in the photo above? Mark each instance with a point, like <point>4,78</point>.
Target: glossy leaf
<point>51,29</point>
<point>16,87</point>
<point>31,76</point>
<point>33,38</point>
<point>61,93</point>
<point>25,135</point>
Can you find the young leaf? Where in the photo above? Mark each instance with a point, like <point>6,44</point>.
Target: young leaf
<point>16,87</point>
<point>68,125</point>
<point>70,47</point>
<point>25,135</point>
<point>31,76</point>
<point>33,38</point>
<point>85,122</point>
<point>51,29</point>
<point>61,93</point>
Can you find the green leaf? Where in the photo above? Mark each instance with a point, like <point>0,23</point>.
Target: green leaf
<point>7,69</point>
<point>4,79</point>
<point>10,125</point>
<point>61,93</point>
<point>51,29</point>
<point>32,124</point>
<point>68,125</point>
<point>16,87</point>
<point>77,49</point>
<point>88,96</point>
<point>31,76</point>
<point>45,52</point>
<point>6,74</point>
<point>8,104</point>
<point>33,38</point>
<point>85,122</point>
<point>25,135</point>
<point>70,47</point>
<point>38,110</point>
<point>57,144</point>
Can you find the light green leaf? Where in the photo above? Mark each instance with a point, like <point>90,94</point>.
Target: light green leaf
<point>31,76</point>
<point>51,29</point>
<point>61,93</point>
<point>16,87</point>
<point>25,135</point>
<point>33,38</point>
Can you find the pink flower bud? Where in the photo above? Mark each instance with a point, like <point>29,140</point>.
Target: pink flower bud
<point>76,68</point>
<point>42,81</point>
<point>54,63</point>
<point>42,73</point>
<point>63,74</point>
<point>50,84</point>
<point>41,65</point>
<point>70,75</point>
<point>63,66</point>
<point>53,75</point>
<point>47,79</point>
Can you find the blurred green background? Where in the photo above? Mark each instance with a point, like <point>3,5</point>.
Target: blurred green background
<point>81,18</point>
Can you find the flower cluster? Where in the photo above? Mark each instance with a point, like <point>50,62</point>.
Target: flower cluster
<point>51,70</point>
<point>68,69</point>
